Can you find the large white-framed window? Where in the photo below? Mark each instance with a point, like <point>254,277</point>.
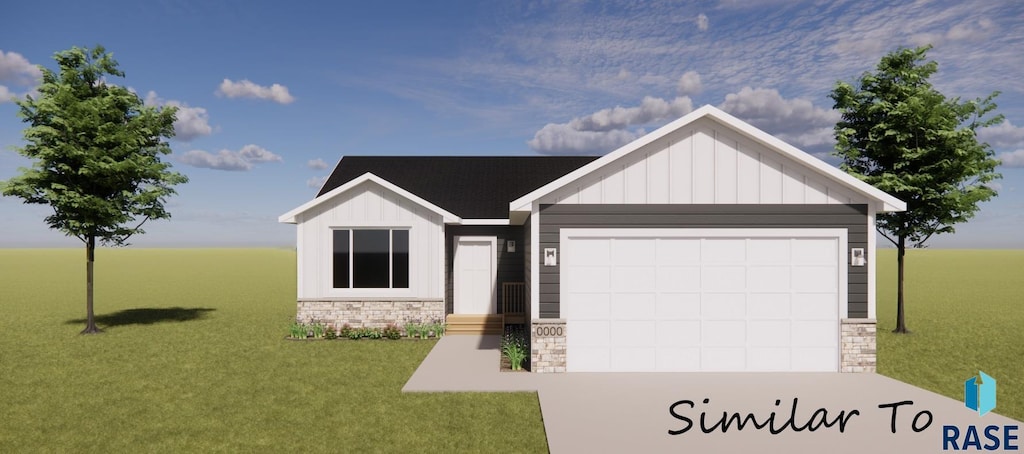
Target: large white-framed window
<point>369,258</point>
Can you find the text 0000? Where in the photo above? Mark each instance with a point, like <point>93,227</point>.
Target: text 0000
<point>549,330</point>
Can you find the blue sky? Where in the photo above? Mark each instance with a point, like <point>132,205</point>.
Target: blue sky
<point>272,94</point>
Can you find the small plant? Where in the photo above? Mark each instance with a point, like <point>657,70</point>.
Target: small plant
<point>414,330</point>
<point>392,332</point>
<point>513,346</point>
<point>439,328</point>
<point>297,330</point>
<point>317,329</point>
<point>345,330</point>
<point>330,333</point>
<point>354,333</point>
<point>374,333</point>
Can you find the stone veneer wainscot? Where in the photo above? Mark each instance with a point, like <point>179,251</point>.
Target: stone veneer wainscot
<point>859,353</point>
<point>367,312</point>
<point>547,345</point>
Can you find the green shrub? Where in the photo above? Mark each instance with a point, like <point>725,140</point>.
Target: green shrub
<point>297,330</point>
<point>345,331</point>
<point>317,329</point>
<point>392,332</point>
<point>513,346</point>
<point>355,333</point>
<point>330,333</point>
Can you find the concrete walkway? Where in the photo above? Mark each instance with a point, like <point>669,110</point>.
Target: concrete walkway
<point>618,412</point>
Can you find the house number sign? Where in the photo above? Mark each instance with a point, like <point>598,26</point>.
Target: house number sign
<point>549,331</point>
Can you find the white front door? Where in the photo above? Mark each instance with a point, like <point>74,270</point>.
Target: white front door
<point>475,266</point>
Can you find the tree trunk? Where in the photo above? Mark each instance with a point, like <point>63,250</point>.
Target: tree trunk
<point>90,257</point>
<point>901,322</point>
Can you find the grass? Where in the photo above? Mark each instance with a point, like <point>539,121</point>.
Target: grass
<point>194,359</point>
<point>965,311</point>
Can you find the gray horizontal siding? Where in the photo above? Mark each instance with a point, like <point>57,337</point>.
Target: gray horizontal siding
<point>510,265</point>
<point>553,218</point>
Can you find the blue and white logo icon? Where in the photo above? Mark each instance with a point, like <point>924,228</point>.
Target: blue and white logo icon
<point>980,393</point>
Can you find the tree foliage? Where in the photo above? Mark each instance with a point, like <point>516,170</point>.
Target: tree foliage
<point>96,152</point>
<point>901,135</point>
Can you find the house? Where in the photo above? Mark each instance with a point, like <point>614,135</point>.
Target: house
<point>706,245</point>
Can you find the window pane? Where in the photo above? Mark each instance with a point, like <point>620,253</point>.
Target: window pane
<point>370,258</point>
<point>341,251</point>
<point>400,258</point>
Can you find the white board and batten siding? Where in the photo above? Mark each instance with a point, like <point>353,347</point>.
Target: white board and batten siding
<point>370,206</point>
<point>704,163</point>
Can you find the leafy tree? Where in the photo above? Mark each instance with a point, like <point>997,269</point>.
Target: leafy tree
<point>96,150</point>
<point>901,135</point>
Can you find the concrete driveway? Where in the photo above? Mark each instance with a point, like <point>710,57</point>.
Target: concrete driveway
<point>619,412</point>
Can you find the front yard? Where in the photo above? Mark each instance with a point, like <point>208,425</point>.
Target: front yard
<point>194,360</point>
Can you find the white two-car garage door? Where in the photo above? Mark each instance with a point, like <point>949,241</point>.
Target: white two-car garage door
<point>703,299</point>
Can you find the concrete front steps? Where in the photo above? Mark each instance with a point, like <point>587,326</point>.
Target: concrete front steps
<point>483,324</point>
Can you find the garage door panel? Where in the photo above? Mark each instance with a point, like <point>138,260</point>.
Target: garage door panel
<point>718,359</point>
<point>633,251</point>
<point>633,279</point>
<point>815,306</point>
<point>764,251</point>
<point>723,306</point>
<point>660,300</point>
<point>633,359</point>
<point>814,359</point>
<point>822,278</point>
<point>678,359</point>
<point>815,334</point>
<point>724,250</point>
<point>587,333</point>
<point>592,251</point>
<point>677,332</point>
<point>723,278</point>
<point>815,250</point>
<point>589,279</point>
<point>633,334</point>
<point>725,333</point>
<point>678,251</point>
<point>767,306</point>
<point>678,278</point>
<point>768,278</point>
<point>678,306</point>
<point>769,359</point>
<point>588,359</point>
<point>633,306</point>
<point>773,333</point>
<point>588,306</point>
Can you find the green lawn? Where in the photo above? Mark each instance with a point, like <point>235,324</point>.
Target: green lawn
<point>965,309</point>
<point>194,359</point>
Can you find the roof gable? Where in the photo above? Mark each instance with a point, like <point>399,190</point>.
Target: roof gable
<point>639,172</point>
<point>290,217</point>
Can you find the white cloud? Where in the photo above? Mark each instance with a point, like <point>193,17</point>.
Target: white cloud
<point>246,89</point>
<point>6,95</point>
<point>241,160</point>
<point>606,129</point>
<point>316,164</point>
<point>689,83</point>
<point>1012,158</point>
<point>15,70</point>
<point>1003,135</point>
<point>796,121</point>
<point>191,122</point>
<point>316,182</point>
<point>702,22</point>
